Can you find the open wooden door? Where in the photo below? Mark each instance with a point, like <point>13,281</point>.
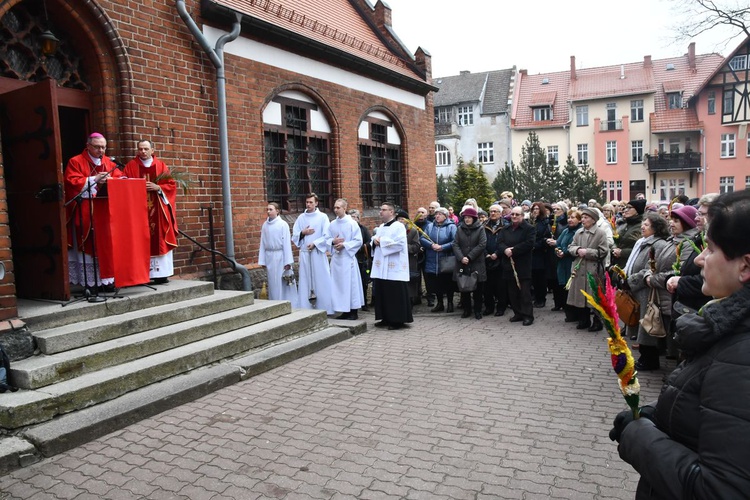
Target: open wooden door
<point>34,186</point>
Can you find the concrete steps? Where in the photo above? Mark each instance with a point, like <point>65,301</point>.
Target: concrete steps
<point>105,366</point>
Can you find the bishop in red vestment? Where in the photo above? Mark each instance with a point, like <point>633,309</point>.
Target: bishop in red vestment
<point>162,191</point>
<point>86,177</point>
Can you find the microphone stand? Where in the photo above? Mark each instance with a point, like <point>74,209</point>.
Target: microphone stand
<point>89,295</point>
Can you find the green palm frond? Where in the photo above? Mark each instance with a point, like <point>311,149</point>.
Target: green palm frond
<point>181,178</point>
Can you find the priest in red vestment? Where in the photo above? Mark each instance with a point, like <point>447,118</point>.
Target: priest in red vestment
<point>86,178</point>
<point>162,191</point>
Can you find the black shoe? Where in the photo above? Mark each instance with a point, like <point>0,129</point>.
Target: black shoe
<point>382,324</point>
<point>488,311</point>
<point>528,322</point>
<point>343,316</point>
<point>478,315</point>
<point>450,307</point>
<point>556,308</point>
<point>465,314</point>
<point>646,367</point>
<point>539,305</point>
<point>570,320</point>
<point>634,336</point>
<point>438,308</point>
<point>516,319</point>
<point>596,327</point>
<point>583,325</point>
<point>396,326</point>
<point>430,303</point>
<point>160,281</point>
<point>364,308</point>
<point>500,312</point>
<point>353,315</point>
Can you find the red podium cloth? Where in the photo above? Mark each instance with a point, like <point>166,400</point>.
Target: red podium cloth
<point>121,227</point>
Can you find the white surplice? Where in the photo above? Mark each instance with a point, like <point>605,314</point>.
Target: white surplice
<point>314,271</point>
<point>390,260</point>
<point>275,253</point>
<point>346,280</point>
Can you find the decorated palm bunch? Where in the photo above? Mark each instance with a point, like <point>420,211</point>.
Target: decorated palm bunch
<point>677,266</point>
<point>181,178</point>
<point>412,224</point>
<point>603,301</point>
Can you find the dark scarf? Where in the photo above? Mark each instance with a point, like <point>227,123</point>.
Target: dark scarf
<point>721,318</point>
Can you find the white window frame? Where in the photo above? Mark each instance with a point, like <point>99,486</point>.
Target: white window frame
<point>619,190</point>
<point>553,154</point>
<point>583,154</point>
<point>466,115</point>
<point>636,151</point>
<point>485,153</point>
<point>674,145</point>
<point>543,114</point>
<point>727,146</point>
<point>442,156</point>
<point>674,100</point>
<point>669,188</point>
<point>636,110</point>
<point>443,114</point>
<point>611,152</point>
<point>711,103</point>
<point>582,116</point>
<point>747,182</point>
<point>738,62</point>
<point>726,184</point>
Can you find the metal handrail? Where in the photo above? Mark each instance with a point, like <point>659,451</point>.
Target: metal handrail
<point>247,284</point>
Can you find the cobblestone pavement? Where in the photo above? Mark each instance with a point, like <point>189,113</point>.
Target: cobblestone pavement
<point>449,408</point>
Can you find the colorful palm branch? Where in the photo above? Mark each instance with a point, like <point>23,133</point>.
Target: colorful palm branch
<point>623,363</point>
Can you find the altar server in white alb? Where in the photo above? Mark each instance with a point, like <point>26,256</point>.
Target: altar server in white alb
<point>314,272</point>
<point>276,255</point>
<point>344,239</point>
<point>390,272</point>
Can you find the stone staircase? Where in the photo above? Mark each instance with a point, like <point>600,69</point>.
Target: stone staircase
<point>103,366</point>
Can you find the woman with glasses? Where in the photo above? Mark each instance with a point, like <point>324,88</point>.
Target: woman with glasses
<point>438,246</point>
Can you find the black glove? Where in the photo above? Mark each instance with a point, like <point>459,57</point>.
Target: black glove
<point>621,421</point>
<point>625,417</point>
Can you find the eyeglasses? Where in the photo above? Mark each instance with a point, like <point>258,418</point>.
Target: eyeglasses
<point>494,211</point>
<point>627,207</point>
<point>512,214</point>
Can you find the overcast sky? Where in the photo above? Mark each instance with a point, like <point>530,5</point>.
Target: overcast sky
<point>541,35</point>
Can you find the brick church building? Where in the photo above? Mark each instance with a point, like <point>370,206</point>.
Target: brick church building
<point>319,96</point>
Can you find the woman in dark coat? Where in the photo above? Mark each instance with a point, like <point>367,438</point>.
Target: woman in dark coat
<point>559,219</point>
<point>468,247</point>
<point>413,248</point>
<point>540,253</point>
<point>565,264</point>
<point>691,442</point>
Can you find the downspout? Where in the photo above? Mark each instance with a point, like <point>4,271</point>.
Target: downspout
<point>217,59</point>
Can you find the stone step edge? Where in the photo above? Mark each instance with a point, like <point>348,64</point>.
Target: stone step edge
<point>58,339</point>
<point>42,371</point>
<point>175,291</point>
<point>28,407</point>
<point>74,429</point>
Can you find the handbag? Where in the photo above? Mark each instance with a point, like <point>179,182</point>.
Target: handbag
<point>628,308</point>
<point>652,321</point>
<point>446,263</point>
<point>467,281</point>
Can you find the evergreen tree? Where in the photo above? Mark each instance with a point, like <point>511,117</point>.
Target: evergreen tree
<point>505,180</point>
<point>580,183</point>
<point>443,189</point>
<point>469,182</point>
<point>537,179</point>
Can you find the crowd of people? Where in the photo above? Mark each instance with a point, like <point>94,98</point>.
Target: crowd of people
<point>512,256</point>
<point>693,259</point>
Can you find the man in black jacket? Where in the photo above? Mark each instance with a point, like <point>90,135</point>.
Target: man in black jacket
<point>495,289</point>
<point>514,246</point>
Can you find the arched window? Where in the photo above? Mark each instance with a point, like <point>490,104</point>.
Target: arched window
<point>442,156</point>
<point>379,161</point>
<point>297,152</point>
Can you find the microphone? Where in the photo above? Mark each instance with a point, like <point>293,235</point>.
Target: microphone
<point>119,164</point>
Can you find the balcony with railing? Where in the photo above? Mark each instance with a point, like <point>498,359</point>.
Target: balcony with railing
<point>446,128</point>
<point>607,125</point>
<point>665,162</point>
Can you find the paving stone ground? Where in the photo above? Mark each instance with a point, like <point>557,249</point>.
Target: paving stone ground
<point>449,408</point>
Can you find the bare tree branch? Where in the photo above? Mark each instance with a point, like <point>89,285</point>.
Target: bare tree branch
<point>696,17</point>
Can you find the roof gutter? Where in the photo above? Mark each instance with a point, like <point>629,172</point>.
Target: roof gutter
<point>216,55</point>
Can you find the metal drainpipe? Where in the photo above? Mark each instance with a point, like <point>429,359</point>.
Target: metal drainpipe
<point>217,59</point>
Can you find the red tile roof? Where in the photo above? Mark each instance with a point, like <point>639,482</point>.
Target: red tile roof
<point>673,86</point>
<point>531,91</point>
<point>610,81</point>
<point>335,23</point>
<point>675,120</point>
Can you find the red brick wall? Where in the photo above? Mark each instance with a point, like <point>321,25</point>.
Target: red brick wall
<point>159,85</point>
